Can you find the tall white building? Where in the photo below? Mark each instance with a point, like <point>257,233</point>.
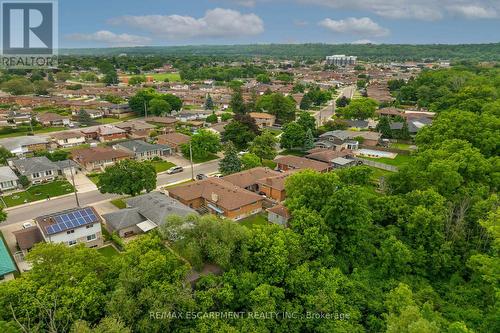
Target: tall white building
<point>341,60</point>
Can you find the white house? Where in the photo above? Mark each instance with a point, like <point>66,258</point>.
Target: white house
<point>71,227</point>
<point>68,139</point>
<point>8,179</point>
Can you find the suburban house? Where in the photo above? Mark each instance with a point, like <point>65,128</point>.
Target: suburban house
<point>136,128</point>
<point>71,227</point>
<point>144,213</point>
<point>274,187</point>
<point>174,140</point>
<point>332,156</point>
<point>263,119</point>
<point>220,197</point>
<point>98,158</point>
<point>36,169</point>
<point>8,179</point>
<point>341,139</point>
<point>24,144</point>
<point>167,122</point>
<point>52,119</point>
<point>93,113</point>
<point>291,162</point>
<point>105,133</point>
<point>414,125</point>
<point>26,238</point>
<point>68,138</point>
<point>249,179</point>
<point>7,266</point>
<point>278,214</point>
<point>143,150</point>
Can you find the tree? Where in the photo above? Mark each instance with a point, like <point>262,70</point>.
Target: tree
<point>54,156</point>
<point>212,119</point>
<point>362,109</point>
<point>405,132</point>
<point>226,116</point>
<point>107,325</point>
<point>305,103</point>
<point>159,106</point>
<point>250,161</point>
<point>238,133</point>
<point>263,78</point>
<point>41,87</point>
<point>264,146</point>
<point>294,136</point>
<point>384,127</point>
<point>136,79</point>
<point>307,121</point>
<point>128,177</point>
<point>277,104</point>
<point>209,103</point>
<point>84,117</point>
<point>203,143</point>
<point>308,140</point>
<point>342,102</point>
<point>237,104</point>
<point>4,155</point>
<point>230,163</point>
<point>18,86</point>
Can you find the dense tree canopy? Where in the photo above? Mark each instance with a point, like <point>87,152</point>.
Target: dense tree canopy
<point>128,177</point>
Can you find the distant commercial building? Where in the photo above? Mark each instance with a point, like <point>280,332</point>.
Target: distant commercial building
<point>341,60</point>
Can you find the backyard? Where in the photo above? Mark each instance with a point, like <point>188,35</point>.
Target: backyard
<point>397,161</point>
<point>255,220</point>
<point>38,192</point>
<point>108,251</point>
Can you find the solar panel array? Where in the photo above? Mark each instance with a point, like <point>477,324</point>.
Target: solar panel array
<point>72,220</point>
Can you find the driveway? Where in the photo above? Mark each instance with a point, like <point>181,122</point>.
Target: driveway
<point>83,183</point>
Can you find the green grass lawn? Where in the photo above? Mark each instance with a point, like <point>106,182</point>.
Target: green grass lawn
<point>400,146</point>
<point>39,192</point>
<point>254,220</point>
<point>108,251</point>
<point>172,77</point>
<point>105,121</point>
<point>270,164</point>
<point>119,203</point>
<point>210,157</point>
<point>24,132</point>
<point>162,166</point>
<point>294,152</point>
<point>398,161</point>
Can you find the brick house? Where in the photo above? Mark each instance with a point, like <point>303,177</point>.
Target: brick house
<point>105,133</point>
<point>291,162</point>
<point>98,158</point>
<point>173,140</point>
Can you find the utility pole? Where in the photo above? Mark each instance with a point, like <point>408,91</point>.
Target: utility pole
<point>191,159</point>
<point>145,110</point>
<point>31,123</point>
<point>73,181</point>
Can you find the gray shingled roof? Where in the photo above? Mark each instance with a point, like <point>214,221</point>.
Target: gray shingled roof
<point>140,146</point>
<point>28,166</point>
<point>6,174</point>
<point>123,218</point>
<point>156,207</point>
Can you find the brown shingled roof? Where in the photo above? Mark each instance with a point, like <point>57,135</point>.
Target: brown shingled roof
<point>217,190</point>
<point>327,155</point>
<point>280,210</point>
<point>98,154</point>
<point>28,237</point>
<point>175,138</point>
<point>250,177</point>
<point>296,162</point>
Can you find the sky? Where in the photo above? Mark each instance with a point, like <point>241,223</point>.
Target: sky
<point>106,23</point>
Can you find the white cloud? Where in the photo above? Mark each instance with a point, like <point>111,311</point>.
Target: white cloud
<point>108,37</point>
<point>216,23</point>
<point>418,9</point>
<point>363,26</point>
<point>363,41</point>
<point>473,11</point>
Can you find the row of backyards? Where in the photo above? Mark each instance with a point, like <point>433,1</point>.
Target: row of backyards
<point>37,192</point>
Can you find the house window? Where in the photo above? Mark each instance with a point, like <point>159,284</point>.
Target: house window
<point>36,175</point>
<point>91,237</point>
<point>89,226</point>
<point>70,232</point>
<point>72,242</point>
<point>48,173</point>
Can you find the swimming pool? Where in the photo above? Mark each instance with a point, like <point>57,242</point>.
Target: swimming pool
<point>375,153</point>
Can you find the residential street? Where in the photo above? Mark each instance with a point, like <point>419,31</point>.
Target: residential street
<point>21,214</point>
<point>328,111</point>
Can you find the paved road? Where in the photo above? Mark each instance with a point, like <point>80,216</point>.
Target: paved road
<point>89,198</point>
<point>328,111</point>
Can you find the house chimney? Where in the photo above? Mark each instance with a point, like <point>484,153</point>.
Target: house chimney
<point>215,197</point>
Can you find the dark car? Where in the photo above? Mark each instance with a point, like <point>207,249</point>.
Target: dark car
<point>201,176</point>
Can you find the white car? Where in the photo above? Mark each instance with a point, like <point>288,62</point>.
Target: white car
<point>175,169</point>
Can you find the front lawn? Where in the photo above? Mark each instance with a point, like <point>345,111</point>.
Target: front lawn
<point>254,220</point>
<point>119,203</point>
<point>397,161</point>
<point>38,192</point>
<point>24,130</point>
<point>172,77</point>
<point>161,166</point>
<point>400,146</point>
<point>210,157</point>
<point>108,251</point>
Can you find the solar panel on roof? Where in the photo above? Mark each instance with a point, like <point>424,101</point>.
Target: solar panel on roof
<point>72,220</point>
<point>88,219</point>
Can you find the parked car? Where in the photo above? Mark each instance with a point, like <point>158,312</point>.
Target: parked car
<point>175,169</point>
<point>201,176</point>
<point>218,175</point>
